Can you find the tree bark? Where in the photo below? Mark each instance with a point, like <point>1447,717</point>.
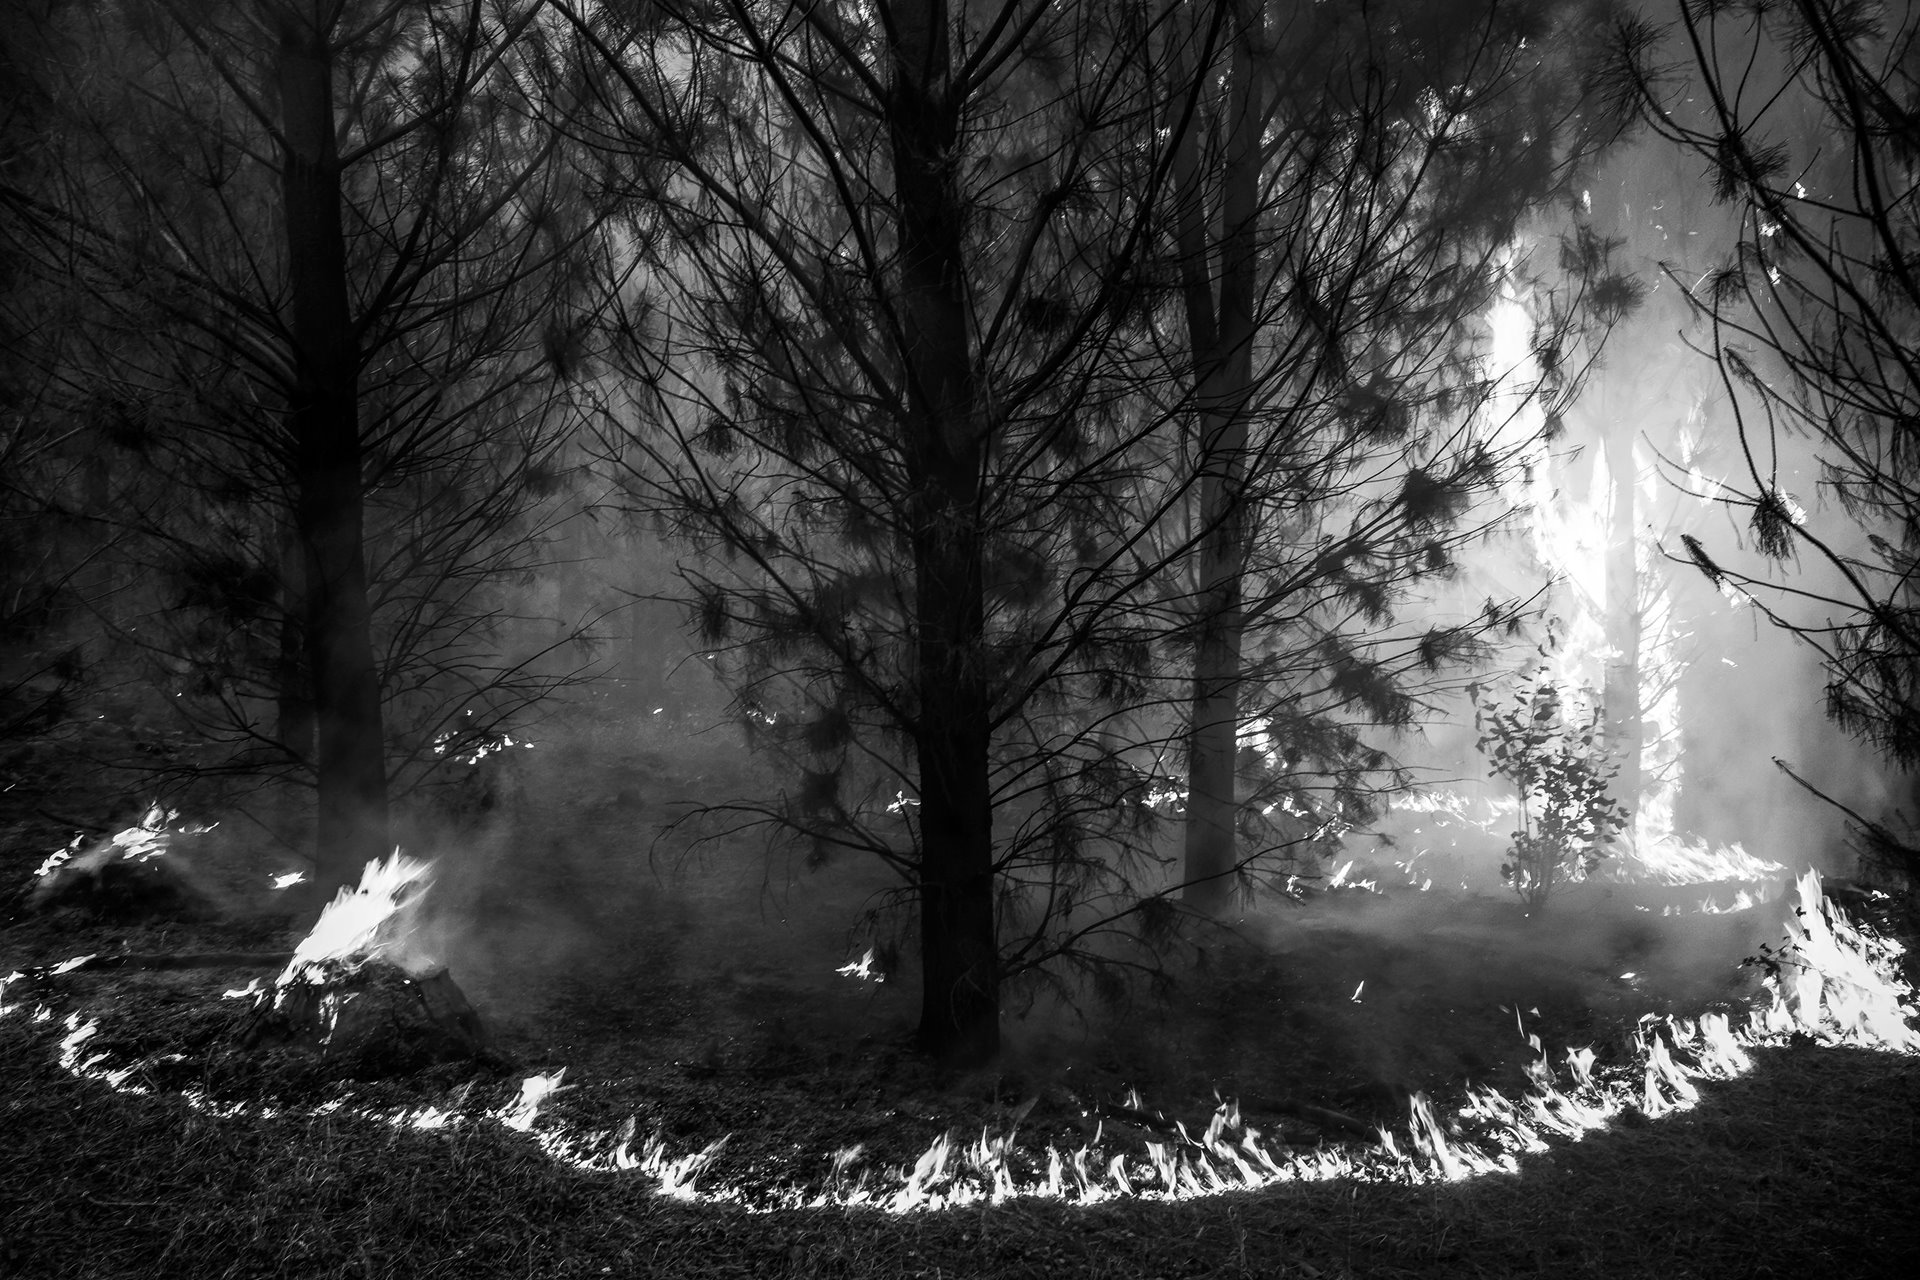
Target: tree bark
<point>329,497</point>
<point>293,704</point>
<point>945,450</point>
<point>1221,337</point>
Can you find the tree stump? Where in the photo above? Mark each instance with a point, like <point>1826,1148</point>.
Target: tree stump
<point>371,1015</point>
<point>136,874</point>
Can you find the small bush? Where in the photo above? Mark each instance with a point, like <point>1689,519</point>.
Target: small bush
<point>1556,760</point>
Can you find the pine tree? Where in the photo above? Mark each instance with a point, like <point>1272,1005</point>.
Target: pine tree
<point>333,249</point>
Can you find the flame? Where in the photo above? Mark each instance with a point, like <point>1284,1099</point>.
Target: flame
<point>1673,861</point>
<point>362,922</point>
<point>1662,1076</point>
<point>75,1041</point>
<point>471,746</point>
<point>1743,900</point>
<point>1455,1161</point>
<point>1836,982</point>
<point>1342,878</point>
<point>1721,1054</point>
<point>674,1175</point>
<point>862,969</point>
<point>534,1093</point>
<point>144,841</point>
<point>1832,980</point>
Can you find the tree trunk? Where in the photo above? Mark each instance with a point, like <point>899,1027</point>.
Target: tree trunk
<point>293,703</point>
<point>1621,696</point>
<point>99,584</point>
<point>350,766</point>
<point>945,449</point>
<point>1222,360</point>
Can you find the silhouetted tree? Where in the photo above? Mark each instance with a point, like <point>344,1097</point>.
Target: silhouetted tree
<point>1350,192</point>
<point>891,276</point>
<point>51,566</point>
<point>335,251</point>
<point>897,355</point>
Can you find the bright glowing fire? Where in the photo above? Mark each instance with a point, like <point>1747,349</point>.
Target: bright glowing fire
<point>1830,980</point>
<point>863,968</point>
<point>141,842</point>
<point>1837,982</point>
<point>369,921</point>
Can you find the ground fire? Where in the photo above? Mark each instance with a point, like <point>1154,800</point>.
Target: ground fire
<point>1011,639</point>
<point>358,985</point>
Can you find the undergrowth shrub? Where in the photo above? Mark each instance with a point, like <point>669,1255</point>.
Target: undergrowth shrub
<point>1552,751</point>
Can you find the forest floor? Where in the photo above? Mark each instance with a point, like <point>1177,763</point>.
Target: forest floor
<point>695,994</point>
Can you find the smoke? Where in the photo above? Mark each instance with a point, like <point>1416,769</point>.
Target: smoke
<point>584,907</point>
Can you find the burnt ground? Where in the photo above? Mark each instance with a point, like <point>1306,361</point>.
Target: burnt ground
<point>695,992</point>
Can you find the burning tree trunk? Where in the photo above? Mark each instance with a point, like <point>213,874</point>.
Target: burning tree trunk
<point>1625,726</point>
<point>329,501</point>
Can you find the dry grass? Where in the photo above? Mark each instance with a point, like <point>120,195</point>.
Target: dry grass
<point>1806,1167</point>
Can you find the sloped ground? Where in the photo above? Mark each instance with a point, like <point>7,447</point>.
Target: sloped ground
<point>1804,1167</point>
<point>699,997</point>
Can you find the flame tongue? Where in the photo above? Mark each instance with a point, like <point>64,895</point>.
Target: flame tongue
<point>1836,981</point>
<point>367,922</point>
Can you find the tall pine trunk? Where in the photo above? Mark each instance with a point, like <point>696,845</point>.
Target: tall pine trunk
<point>1221,337</point>
<point>293,705</point>
<point>945,448</point>
<point>328,478</point>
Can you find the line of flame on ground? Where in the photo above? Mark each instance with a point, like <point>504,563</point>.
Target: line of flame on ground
<point>1832,982</point>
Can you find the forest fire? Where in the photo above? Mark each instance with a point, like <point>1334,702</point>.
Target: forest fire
<point>1043,602</point>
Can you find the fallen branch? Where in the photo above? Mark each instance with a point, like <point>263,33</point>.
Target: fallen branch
<point>1879,839</point>
<point>167,960</point>
<point>1143,1120</point>
<point>1324,1117</point>
<point>1787,769</point>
